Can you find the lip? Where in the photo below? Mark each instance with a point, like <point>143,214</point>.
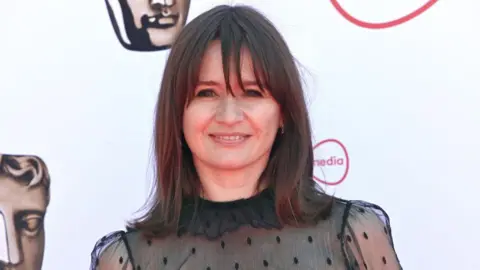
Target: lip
<point>215,138</point>
<point>229,134</point>
<point>146,21</point>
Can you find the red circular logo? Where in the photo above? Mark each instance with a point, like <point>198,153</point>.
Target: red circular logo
<point>380,25</point>
<point>331,162</point>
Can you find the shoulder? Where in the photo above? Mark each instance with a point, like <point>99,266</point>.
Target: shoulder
<point>113,251</point>
<point>365,235</point>
<point>358,211</point>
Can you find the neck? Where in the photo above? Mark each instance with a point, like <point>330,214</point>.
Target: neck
<point>230,184</point>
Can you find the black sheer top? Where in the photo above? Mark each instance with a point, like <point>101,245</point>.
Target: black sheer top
<point>245,234</point>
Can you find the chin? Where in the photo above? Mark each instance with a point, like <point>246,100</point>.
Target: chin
<point>162,37</point>
<point>229,164</point>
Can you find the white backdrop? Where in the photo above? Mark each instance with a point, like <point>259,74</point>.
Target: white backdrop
<point>404,101</point>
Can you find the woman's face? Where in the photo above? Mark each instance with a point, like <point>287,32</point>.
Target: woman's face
<point>227,131</point>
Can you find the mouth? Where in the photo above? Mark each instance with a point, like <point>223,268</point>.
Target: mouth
<point>229,139</point>
<point>160,21</point>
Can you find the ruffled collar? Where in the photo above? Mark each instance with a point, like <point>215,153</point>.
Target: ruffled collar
<point>213,219</point>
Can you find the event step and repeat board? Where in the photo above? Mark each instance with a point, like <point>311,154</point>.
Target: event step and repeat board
<point>393,89</point>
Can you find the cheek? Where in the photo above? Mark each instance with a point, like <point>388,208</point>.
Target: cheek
<point>138,9</point>
<point>265,117</point>
<point>195,121</point>
<point>181,8</point>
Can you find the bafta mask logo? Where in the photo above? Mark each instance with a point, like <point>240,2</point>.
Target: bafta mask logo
<point>147,25</point>
<point>24,197</point>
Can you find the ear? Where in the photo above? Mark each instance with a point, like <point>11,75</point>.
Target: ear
<point>281,125</point>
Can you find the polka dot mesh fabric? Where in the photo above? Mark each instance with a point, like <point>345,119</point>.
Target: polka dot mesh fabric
<point>245,235</point>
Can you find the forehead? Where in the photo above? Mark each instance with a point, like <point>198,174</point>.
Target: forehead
<point>211,67</point>
<point>17,196</point>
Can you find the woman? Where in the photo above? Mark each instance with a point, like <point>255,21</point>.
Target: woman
<point>234,164</point>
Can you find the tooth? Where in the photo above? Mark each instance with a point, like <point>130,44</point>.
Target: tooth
<point>231,138</point>
<point>165,20</point>
<point>151,19</point>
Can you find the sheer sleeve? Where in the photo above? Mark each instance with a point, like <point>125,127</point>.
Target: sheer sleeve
<point>366,238</point>
<point>111,252</point>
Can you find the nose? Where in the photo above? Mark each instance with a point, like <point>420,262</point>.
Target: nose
<point>162,4</point>
<point>229,112</point>
<point>10,250</point>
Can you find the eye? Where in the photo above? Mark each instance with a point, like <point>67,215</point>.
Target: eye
<point>206,93</point>
<point>30,224</point>
<point>253,93</point>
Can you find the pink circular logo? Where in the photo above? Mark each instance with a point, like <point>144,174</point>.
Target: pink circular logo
<point>331,162</point>
<point>381,25</point>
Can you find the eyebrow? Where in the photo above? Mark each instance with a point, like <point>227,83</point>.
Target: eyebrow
<point>215,83</point>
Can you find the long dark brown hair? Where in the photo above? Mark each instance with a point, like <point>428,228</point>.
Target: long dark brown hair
<point>290,168</point>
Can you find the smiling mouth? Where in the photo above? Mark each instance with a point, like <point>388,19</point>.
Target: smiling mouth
<point>231,139</point>
<point>159,21</point>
